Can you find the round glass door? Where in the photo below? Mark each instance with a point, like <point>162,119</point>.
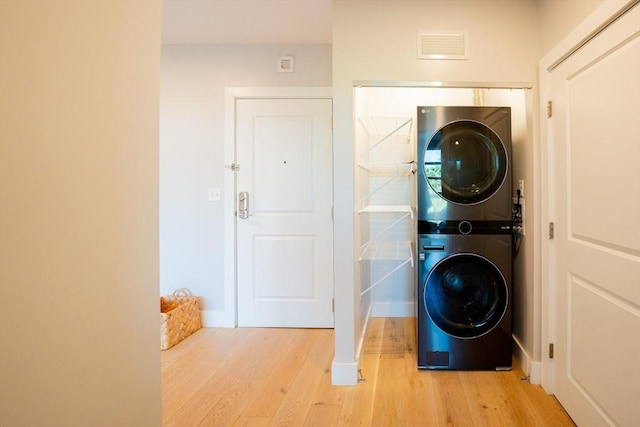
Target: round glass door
<point>465,162</point>
<point>465,295</point>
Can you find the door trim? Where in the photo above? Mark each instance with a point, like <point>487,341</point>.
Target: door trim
<point>229,316</point>
<point>603,16</point>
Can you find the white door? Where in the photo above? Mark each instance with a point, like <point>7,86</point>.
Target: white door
<point>595,140</point>
<point>284,244</point>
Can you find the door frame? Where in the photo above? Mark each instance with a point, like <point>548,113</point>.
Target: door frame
<point>228,317</point>
<point>595,23</point>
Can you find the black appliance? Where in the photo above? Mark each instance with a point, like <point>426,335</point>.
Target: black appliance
<point>464,302</point>
<point>464,238</point>
<point>463,163</point>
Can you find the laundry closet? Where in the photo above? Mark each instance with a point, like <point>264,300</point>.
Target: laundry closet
<point>391,171</point>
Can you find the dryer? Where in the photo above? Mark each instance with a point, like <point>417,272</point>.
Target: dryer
<point>464,301</point>
<point>463,164</point>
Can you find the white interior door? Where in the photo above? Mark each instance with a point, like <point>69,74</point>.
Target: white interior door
<point>595,141</point>
<point>284,244</point>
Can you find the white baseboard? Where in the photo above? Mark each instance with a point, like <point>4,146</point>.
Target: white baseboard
<point>535,376</point>
<point>217,319</point>
<point>531,368</point>
<point>344,373</point>
<point>393,309</point>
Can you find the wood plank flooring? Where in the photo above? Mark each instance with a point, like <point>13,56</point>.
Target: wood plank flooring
<point>282,377</point>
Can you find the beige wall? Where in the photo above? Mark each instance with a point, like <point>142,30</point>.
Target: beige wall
<point>557,18</point>
<point>79,84</point>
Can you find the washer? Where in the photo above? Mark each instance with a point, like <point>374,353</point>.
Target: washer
<point>463,163</point>
<point>464,301</point>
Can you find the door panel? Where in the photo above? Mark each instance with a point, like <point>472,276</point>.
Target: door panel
<point>284,166</point>
<point>284,247</point>
<point>601,146</point>
<point>595,138</point>
<point>295,281</point>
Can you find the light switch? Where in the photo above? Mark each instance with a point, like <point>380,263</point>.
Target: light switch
<point>214,194</point>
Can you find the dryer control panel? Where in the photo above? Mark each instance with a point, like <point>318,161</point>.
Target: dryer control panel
<point>464,227</point>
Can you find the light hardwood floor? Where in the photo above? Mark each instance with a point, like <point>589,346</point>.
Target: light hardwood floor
<point>281,377</point>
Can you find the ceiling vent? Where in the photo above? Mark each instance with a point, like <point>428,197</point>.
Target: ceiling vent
<point>442,46</point>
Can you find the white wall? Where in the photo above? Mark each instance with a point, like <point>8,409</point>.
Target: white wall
<point>192,132</point>
<point>376,40</point>
<point>78,213</point>
<point>558,17</point>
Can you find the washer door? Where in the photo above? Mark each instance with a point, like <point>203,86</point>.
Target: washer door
<point>465,162</point>
<point>465,295</point>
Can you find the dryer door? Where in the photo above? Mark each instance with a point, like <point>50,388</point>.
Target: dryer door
<point>465,295</point>
<point>465,162</point>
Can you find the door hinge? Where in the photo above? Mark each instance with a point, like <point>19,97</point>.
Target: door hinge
<point>233,166</point>
<point>550,350</point>
<point>333,305</point>
<point>551,231</point>
<point>549,109</point>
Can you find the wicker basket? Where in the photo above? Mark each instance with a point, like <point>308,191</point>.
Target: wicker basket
<point>179,317</point>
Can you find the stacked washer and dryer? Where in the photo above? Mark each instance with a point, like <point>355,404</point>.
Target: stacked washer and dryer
<point>464,238</point>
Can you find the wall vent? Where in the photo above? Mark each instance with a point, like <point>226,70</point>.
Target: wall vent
<point>442,46</point>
